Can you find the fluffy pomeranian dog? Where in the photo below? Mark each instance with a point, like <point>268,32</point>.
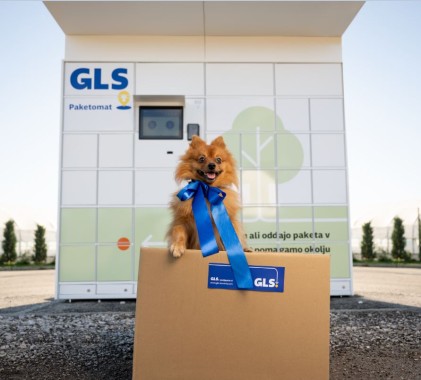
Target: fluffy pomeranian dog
<point>214,165</point>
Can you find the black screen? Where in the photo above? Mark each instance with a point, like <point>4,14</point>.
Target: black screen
<point>157,123</point>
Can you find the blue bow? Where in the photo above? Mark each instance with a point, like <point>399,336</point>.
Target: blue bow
<point>200,190</point>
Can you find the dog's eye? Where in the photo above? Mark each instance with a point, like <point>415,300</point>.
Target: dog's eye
<point>202,159</point>
<point>218,160</point>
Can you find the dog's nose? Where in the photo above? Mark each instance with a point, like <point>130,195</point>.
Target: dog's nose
<point>211,166</point>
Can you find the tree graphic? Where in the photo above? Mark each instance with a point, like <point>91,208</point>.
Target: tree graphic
<point>269,155</point>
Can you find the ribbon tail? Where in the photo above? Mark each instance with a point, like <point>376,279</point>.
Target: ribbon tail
<point>204,226</point>
<point>236,255</point>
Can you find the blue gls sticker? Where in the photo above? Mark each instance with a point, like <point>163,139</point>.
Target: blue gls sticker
<point>265,278</point>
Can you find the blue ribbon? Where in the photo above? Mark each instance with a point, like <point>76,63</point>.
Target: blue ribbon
<point>201,191</point>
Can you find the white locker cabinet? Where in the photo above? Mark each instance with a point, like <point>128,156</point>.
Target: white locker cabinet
<point>283,123</point>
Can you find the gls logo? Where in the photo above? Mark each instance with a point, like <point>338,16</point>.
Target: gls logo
<point>82,79</point>
<point>265,278</point>
<point>265,283</point>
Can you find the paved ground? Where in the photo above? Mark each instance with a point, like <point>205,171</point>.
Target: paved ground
<point>394,285</point>
<point>29,287</point>
<point>373,287</point>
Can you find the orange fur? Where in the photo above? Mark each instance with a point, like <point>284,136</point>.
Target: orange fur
<point>214,165</point>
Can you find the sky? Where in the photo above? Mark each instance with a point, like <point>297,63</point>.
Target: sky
<point>382,91</point>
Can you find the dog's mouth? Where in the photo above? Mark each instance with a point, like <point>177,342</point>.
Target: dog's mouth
<point>209,176</point>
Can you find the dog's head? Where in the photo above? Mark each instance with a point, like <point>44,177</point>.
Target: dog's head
<point>211,163</point>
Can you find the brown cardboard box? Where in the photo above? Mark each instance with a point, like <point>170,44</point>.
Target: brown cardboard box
<point>186,331</point>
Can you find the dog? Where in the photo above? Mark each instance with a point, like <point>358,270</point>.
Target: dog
<point>214,165</point>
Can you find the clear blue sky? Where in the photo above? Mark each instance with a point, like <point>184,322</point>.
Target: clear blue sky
<point>382,81</point>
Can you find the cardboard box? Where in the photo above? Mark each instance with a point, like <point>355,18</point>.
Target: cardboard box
<point>186,331</point>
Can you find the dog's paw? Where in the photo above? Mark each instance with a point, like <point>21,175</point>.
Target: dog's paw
<point>177,250</point>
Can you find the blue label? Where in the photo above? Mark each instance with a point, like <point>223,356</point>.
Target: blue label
<point>265,279</point>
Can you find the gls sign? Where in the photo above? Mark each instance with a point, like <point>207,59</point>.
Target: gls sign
<point>265,278</point>
<point>265,282</point>
<point>85,78</point>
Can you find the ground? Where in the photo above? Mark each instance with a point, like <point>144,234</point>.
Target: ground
<point>374,335</point>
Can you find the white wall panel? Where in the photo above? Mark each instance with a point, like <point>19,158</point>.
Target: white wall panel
<point>170,79</point>
<point>154,187</point>
<point>294,114</point>
<point>328,150</point>
<point>116,150</point>
<point>158,153</point>
<point>191,48</point>
<point>194,113</point>
<point>221,114</point>
<point>329,186</point>
<point>296,190</point>
<point>273,49</point>
<point>96,114</point>
<point>115,187</point>
<point>308,79</point>
<point>80,151</point>
<point>135,48</point>
<point>327,114</point>
<point>239,79</point>
<point>78,188</point>
<point>258,187</point>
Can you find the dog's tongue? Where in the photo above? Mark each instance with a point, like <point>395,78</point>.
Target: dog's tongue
<point>211,175</point>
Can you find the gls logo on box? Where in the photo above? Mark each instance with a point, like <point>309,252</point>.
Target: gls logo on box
<point>84,79</point>
<point>265,283</point>
<point>265,278</point>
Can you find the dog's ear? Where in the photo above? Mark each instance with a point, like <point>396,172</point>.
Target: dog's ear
<point>196,142</point>
<point>219,141</point>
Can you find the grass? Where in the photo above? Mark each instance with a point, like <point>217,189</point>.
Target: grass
<point>386,262</point>
<point>26,266</point>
